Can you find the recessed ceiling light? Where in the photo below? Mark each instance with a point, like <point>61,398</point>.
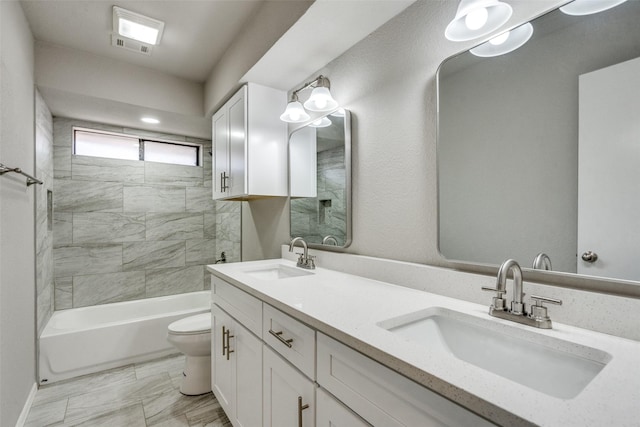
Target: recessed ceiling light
<point>150,120</point>
<point>137,27</point>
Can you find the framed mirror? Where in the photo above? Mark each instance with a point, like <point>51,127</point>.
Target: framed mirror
<point>539,150</point>
<point>320,181</point>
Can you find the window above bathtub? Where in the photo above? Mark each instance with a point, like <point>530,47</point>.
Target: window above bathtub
<point>95,143</point>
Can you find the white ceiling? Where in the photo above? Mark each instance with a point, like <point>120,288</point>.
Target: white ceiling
<point>196,34</point>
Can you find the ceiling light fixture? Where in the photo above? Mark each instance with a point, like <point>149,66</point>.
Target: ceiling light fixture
<point>477,18</point>
<point>588,7</point>
<point>150,120</point>
<point>505,42</point>
<point>320,101</point>
<point>137,27</point>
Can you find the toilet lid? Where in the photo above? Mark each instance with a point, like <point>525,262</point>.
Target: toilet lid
<point>192,325</point>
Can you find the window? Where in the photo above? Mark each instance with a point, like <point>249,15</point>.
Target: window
<point>128,147</point>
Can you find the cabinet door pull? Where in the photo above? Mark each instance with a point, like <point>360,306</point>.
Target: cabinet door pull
<point>278,335</point>
<point>229,351</point>
<point>224,345</point>
<point>301,408</point>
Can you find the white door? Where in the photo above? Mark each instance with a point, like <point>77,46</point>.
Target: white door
<point>332,413</point>
<point>248,392</point>
<point>220,166</point>
<point>288,394</point>
<point>609,171</point>
<point>222,372</point>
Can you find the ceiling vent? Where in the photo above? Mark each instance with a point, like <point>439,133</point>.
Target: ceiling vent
<point>129,44</point>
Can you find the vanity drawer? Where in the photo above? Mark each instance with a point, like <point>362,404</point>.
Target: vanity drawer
<point>381,396</point>
<point>293,340</point>
<point>245,308</point>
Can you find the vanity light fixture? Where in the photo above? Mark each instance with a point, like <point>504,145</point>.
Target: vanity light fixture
<point>136,26</point>
<point>320,123</point>
<point>505,42</point>
<point>320,101</point>
<point>477,18</point>
<point>588,7</point>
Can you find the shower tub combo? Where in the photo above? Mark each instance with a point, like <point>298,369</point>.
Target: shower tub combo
<point>84,340</point>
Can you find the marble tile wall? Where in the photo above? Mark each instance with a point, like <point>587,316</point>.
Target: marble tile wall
<point>127,230</point>
<point>44,230</point>
<point>228,229</point>
<point>325,214</point>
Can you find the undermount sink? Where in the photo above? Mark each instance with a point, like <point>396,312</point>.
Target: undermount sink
<point>276,272</point>
<point>549,365</point>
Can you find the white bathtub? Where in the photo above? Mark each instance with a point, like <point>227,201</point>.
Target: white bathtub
<point>84,340</point>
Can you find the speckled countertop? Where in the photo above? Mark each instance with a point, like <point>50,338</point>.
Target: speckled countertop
<point>349,308</point>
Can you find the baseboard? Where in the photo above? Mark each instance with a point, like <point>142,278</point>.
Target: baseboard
<point>22,419</point>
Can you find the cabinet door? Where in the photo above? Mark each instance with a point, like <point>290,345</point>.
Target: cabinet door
<point>237,142</point>
<point>222,377</point>
<point>220,132</point>
<point>286,393</point>
<point>247,350</point>
<point>331,413</point>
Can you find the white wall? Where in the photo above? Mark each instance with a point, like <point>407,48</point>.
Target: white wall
<point>388,82</point>
<point>17,247</point>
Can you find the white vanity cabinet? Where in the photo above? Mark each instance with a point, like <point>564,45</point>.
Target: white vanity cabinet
<point>331,413</point>
<point>289,396</point>
<point>236,369</point>
<point>250,145</point>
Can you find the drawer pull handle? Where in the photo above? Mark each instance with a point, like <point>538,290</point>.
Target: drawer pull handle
<point>282,340</point>
<point>301,408</point>
<point>224,342</point>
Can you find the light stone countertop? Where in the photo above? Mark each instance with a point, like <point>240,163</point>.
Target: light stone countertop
<point>348,308</point>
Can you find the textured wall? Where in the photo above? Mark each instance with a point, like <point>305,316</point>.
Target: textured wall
<point>44,217</point>
<point>127,230</point>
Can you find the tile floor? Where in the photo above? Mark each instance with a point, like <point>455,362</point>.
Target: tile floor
<point>139,395</point>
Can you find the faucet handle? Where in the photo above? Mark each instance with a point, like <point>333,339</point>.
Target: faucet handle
<point>497,302</point>
<point>538,311</point>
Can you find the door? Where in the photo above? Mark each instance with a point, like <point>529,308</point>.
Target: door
<point>248,369</point>
<point>288,395</point>
<point>237,143</point>
<point>609,171</point>
<point>222,376</point>
<point>220,153</point>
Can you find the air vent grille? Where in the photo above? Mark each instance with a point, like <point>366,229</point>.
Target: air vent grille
<point>129,44</point>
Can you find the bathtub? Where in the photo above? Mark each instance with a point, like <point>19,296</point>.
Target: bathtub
<point>84,340</point>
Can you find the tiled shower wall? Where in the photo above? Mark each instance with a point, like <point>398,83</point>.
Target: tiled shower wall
<point>317,217</point>
<point>127,230</point>
<point>44,232</point>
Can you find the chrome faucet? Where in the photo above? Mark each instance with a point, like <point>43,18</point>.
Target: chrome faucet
<point>304,260</point>
<point>517,313</point>
<point>542,262</point>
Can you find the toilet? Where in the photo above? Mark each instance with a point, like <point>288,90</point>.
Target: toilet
<point>192,336</point>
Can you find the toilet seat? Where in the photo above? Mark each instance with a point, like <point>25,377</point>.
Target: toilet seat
<point>198,324</point>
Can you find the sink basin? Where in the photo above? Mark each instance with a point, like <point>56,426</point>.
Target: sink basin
<point>549,365</point>
<point>276,272</point>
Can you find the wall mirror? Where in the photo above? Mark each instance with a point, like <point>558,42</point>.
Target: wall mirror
<point>539,151</point>
<point>320,181</point>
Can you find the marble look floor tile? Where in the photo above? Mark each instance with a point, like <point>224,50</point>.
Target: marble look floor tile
<point>81,385</point>
<point>47,414</point>
<point>128,416</point>
<point>179,421</point>
<point>208,415</point>
<point>171,404</point>
<point>96,403</point>
<point>173,365</point>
